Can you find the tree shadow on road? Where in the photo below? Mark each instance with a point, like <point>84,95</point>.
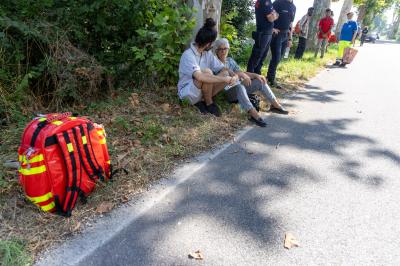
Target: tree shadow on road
<point>232,195</point>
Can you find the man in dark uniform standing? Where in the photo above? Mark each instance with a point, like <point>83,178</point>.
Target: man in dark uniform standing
<point>265,17</point>
<point>282,35</point>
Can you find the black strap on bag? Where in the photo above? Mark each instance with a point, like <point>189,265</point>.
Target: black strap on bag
<point>94,165</point>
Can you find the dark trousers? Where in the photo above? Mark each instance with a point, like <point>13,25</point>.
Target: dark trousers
<point>279,43</point>
<point>362,39</point>
<point>259,52</point>
<point>301,48</point>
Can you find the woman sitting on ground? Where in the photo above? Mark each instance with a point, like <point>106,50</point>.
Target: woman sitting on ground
<point>250,83</point>
<point>198,66</point>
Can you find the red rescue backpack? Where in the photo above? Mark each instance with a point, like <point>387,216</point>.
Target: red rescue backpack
<point>62,157</point>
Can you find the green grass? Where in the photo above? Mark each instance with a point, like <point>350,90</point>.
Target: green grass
<point>294,70</point>
<point>13,253</point>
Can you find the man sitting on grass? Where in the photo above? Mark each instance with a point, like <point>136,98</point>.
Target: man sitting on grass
<point>198,68</point>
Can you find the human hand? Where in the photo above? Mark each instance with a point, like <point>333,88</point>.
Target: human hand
<point>246,80</point>
<point>262,79</point>
<point>233,80</point>
<point>276,31</point>
<point>290,44</point>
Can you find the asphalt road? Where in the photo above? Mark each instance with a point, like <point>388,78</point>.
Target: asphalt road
<point>329,174</point>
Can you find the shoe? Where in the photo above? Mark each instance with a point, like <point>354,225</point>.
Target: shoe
<point>259,122</point>
<point>214,109</point>
<point>281,110</point>
<point>337,63</point>
<point>275,85</point>
<point>202,107</point>
<point>343,65</point>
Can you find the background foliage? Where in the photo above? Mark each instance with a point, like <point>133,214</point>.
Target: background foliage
<point>56,52</point>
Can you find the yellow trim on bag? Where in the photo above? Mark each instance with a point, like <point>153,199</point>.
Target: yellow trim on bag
<point>40,199</point>
<point>57,122</point>
<point>33,170</point>
<point>84,140</point>
<point>103,141</point>
<point>34,159</point>
<point>72,117</point>
<point>42,119</point>
<point>70,147</point>
<point>48,207</point>
<point>109,162</point>
<point>100,132</point>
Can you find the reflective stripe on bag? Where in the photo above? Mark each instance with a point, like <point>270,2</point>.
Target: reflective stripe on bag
<point>42,198</point>
<point>33,170</point>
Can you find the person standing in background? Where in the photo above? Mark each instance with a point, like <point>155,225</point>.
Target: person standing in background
<point>304,25</point>
<point>265,17</point>
<point>348,36</point>
<point>325,27</point>
<point>281,37</point>
<point>364,35</point>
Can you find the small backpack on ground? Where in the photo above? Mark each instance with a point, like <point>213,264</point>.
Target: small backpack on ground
<point>62,157</point>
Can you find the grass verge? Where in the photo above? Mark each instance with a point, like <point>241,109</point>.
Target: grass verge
<point>149,133</point>
<point>13,253</point>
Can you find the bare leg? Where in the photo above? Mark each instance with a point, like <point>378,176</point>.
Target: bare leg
<point>276,104</point>
<point>206,88</point>
<point>253,113</point>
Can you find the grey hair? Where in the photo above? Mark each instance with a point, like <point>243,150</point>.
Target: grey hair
<point>220,42</point>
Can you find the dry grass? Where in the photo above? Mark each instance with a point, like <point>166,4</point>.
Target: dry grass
<point>145,139</point>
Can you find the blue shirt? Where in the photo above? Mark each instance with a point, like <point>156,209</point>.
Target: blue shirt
<point>263,8</point>
<point>287,13</point>
<point>348,30</point>
<point>232,65</point>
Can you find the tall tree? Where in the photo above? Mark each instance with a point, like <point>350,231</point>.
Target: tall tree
<point>396,21</point>
<point>368,9</point>
<point>347,5</point>
<point>319,12</point>
<point>206,9</point>
<point>245,13</point>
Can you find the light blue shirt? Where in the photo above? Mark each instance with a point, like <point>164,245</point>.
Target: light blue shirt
<point>232,65</point>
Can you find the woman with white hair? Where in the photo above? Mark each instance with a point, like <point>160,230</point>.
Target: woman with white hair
<point>250,83</point>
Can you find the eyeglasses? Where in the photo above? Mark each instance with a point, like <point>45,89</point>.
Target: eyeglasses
<point>222,49</point>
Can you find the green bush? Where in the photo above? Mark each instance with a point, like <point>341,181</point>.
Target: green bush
<point>59,53</point>
<point>159,44</point>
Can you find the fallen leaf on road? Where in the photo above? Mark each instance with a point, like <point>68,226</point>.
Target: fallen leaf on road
<point>250,152</point>
<point>196,255</point>
<point>104,207</point>
<point>290,241</point>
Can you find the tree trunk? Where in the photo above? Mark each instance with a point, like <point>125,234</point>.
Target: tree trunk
<point>319,12</point>
<point>395,28</point>
<point>362,11</point>
<point>347,5</point>
<point>396,23</point>
<point>206,9</point>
